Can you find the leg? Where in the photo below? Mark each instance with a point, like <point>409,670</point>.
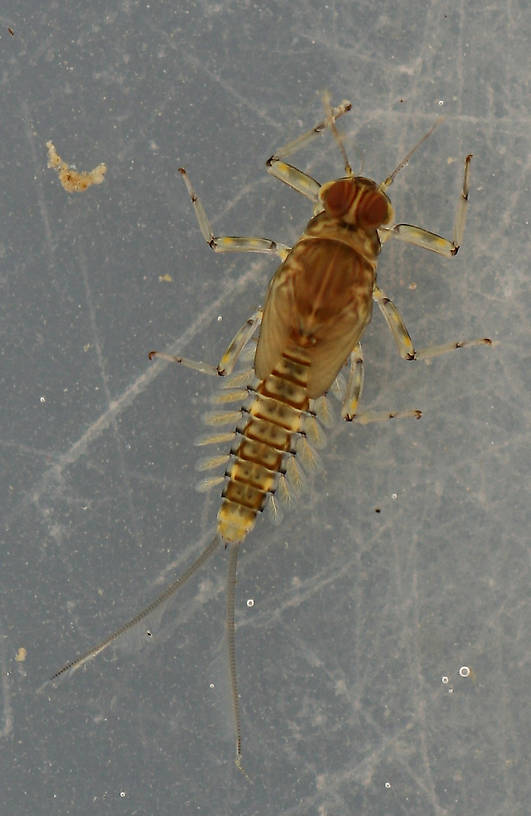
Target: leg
<point>402,337</point>
<point>354,384</point>
<point>226,243</point>
<point>353,394</point>
<point>299,181</point>
<point>429,240</point>
<point>229,358</point>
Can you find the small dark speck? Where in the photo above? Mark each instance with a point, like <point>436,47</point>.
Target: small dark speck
<point>377,509</point>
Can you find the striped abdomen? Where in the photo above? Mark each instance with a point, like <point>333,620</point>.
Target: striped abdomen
<point>265,444</point>
<point>275,414</point>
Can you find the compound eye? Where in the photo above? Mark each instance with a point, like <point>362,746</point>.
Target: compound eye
<point>338,196</point>
<point>373,209</point>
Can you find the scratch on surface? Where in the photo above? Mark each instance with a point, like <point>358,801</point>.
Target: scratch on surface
<point>30,134</point>
<point>7,710</point>
<point>53,474</point>
<point>421,700</point>
<point>365,769</point>
<point>216,78</point>
<point>105,380</point>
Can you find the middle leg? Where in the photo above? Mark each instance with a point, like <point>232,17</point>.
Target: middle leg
<point>403,340</point>
<point>352,396</point>
<point>228,359</point>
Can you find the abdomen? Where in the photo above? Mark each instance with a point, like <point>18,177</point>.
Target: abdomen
<point>274,416</point>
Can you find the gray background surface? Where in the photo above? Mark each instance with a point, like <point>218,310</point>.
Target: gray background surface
<point>358,615</point>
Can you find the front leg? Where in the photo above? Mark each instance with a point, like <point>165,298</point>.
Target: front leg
<point>292,176</point>
<point>228,243</point>
<point>430,240</point>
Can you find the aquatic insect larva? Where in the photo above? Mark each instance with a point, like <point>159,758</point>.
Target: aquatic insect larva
<point>316,308</point>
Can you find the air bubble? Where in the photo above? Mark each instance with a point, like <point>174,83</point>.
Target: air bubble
<point>250,602</point>
<point>464,671</point>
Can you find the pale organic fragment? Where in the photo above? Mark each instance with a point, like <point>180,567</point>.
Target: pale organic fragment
<point>72,180</point>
